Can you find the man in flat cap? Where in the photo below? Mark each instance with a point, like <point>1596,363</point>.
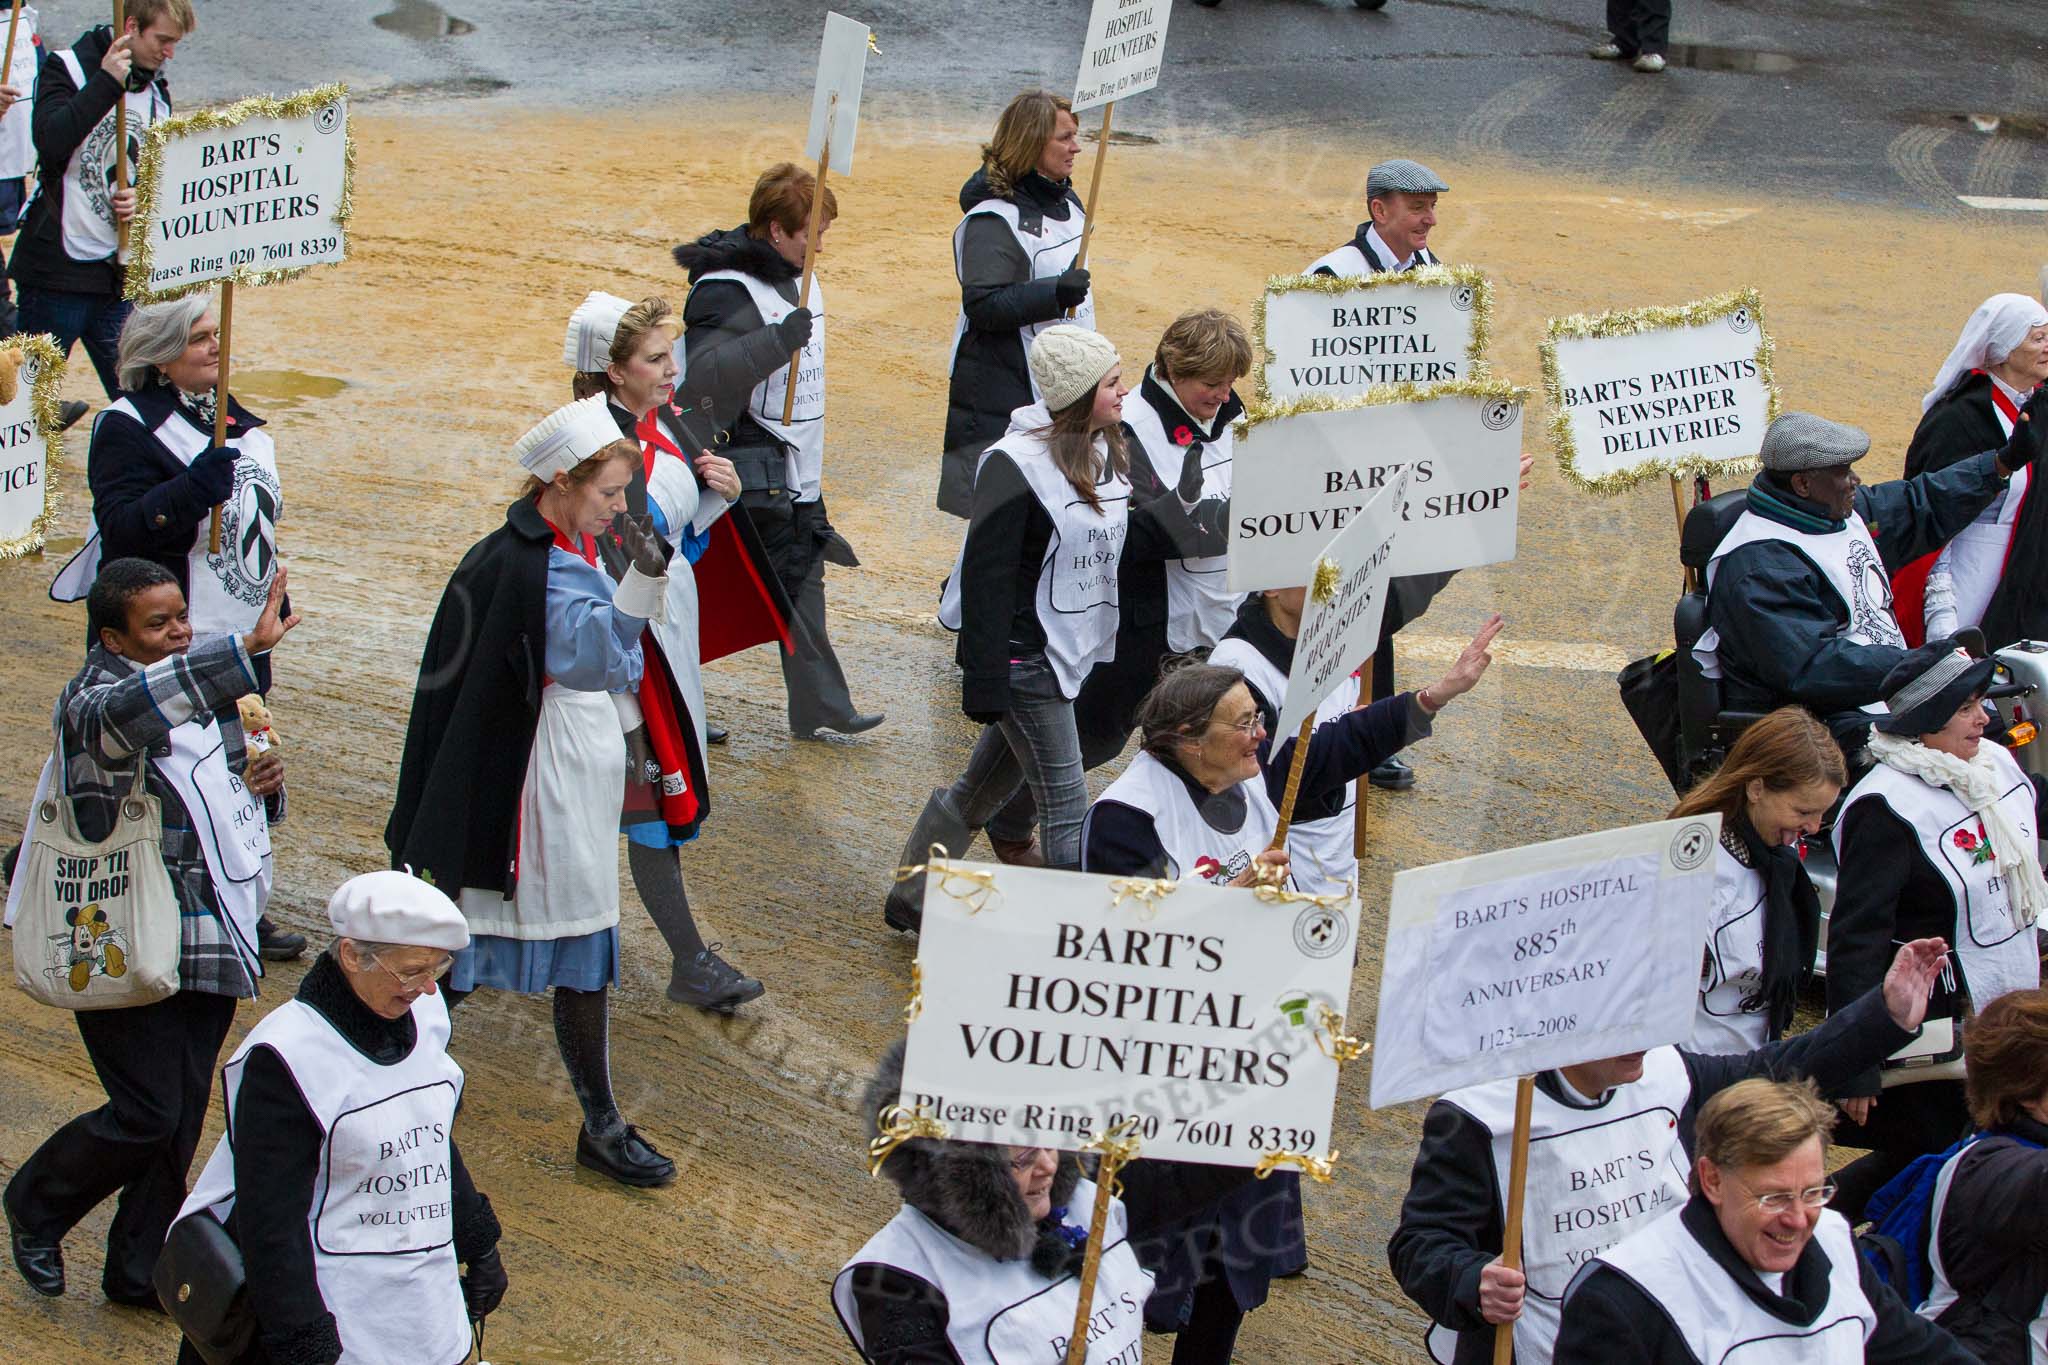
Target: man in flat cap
<point>1799,602</point>
<point>1400,203</point>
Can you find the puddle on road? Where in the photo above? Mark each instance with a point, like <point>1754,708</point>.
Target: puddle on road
<point>268,391</point>
<point>421,19</point>
<point>1747,60</point>
<point>1119,138</point>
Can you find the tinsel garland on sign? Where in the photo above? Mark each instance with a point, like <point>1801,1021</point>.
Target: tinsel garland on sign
<point>1428,276</point>
<point>46,378</point>
<point>149,170</point>
<point>1493,390</point>
<point>1634,322</point>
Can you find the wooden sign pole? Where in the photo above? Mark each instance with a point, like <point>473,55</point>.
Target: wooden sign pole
<point>220,401</point>
<point>1678,506</point>
<point>121,135</point>
<point>1117,1149</point>
<point>13,21</point>
<point>1094,189</point>
<point>1511,1233</point>
<point>803,298</point>
<point>1294,770</point>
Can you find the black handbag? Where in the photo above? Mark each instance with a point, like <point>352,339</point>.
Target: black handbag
<point>200,1280</point>
<point>1649,692</point>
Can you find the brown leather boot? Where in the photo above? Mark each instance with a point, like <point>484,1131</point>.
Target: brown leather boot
<point>1018,852</point>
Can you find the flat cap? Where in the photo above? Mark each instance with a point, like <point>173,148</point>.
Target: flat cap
<point>1402,177</point>
<point>1800,440</point>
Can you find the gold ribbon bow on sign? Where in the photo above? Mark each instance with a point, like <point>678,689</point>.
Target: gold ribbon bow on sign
<point>1115,1149</point>
<point>1147,891</point>
<point>1333,1041</point>
<point>980,893</point>
<point>1272,890</point>
<point>871,43</point>
<point>895,1126</point>
<point>1316,1168</point>
<point>915,1005</point>
<point>1323,588</point>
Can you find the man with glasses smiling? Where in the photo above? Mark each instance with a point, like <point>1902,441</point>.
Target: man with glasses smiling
<point>1755,1267</point>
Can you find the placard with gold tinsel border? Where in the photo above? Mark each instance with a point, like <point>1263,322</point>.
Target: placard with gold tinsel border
<point>261,172</point>
<point>1467,303</point>
<point>1693,395</point>
<point>28,399</point>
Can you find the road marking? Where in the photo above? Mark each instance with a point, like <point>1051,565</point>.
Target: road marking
<point>1485,130</point>
<point>1992,201</point>
<point>1911,155</point>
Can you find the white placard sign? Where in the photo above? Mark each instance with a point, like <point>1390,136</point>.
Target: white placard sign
<point>250,193</point>
<point>1125,49</point>
<point>1338,632</point>
<point>1659,391</point>
<point>1533,958</point>
<point>1317,468</point>
<point>28,426</point>
<point>1343,337</point>
<point>842,67</point>
<point>1066,1004</point>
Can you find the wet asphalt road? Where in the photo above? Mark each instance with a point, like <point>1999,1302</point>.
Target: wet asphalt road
<point>1852,99</point>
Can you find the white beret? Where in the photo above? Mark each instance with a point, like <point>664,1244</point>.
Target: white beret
<point>567,437</point>
<point>396,907</point>
<point>588,347</point>
<point>1067,362</point>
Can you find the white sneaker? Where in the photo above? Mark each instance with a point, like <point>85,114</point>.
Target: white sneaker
<point>1650,63</point>
<point>1606,52</point>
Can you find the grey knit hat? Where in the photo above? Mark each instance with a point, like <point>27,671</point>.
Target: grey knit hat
<point>1801,441</point>
<point>1067,362</point>
<point>1401,176</point>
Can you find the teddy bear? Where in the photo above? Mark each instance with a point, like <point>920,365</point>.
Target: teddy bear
<point>93,945</point>
<point>256,724</point>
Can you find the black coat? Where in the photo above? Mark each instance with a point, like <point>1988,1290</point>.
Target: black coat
<point>1451,1218</point>
<point>456,816</point>
<point>1992,1249</point>
<point>142,496</point>
<point>991,378</point>
<point>1609,1320</point>
<point>64,116</point>
<point>729,348</point>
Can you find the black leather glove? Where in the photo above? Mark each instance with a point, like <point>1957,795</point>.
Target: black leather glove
<point>2026,439</point>
<point>794,331</point>
<point>1190,486</point>
<point>1072,288</point>
<point>484,1286</point>
<point>642,543</point>
<point>212,473</point>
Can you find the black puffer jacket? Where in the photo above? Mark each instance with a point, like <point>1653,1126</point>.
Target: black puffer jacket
<point>1992,1246</point>
<point>729,348</point>
<point>999,297</point>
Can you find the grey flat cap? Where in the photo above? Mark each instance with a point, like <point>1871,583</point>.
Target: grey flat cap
<point>1402,177</point>
<point>1800,440</point>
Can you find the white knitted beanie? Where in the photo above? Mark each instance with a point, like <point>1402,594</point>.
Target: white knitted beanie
<point>1067,362</point>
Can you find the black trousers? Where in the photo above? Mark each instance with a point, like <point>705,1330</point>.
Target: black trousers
<point>156,1064</point>
<point>811,674</point>
<point>1640,26</point>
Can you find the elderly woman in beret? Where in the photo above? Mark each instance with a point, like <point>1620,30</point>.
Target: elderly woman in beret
<point>1939,839</point>
<point>339,1175</point>
<point>981,1264</point>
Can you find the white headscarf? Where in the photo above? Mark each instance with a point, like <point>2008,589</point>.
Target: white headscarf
<point>2000,324</point>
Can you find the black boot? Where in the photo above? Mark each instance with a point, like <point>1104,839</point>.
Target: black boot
<point>937,824</point>
<point>277,945</point>
<point>711,983</point>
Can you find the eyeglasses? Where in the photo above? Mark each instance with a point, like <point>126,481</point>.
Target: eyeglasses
<point>1249,727</point>
<point>1026,1158</point>
<point>416,981</point>
<point>1781,1201</point>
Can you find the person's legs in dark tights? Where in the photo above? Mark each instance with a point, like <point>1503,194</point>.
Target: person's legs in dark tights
<point>1211,1331</point>
<point>583,1033</point>
<point>698,976</point>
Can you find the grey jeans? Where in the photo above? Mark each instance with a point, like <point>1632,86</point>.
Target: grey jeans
<point>1034,744</point>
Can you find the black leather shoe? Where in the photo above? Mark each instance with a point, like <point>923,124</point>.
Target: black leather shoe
<point>146,1300</point>
<point>277,945</point>
<point>901,915</point>
<point>715,734</point>
<point>626,1157</point>
<point>856,724</point>
<point>709,982</point>
<point>69,413</point>
<point>1393,775</point>
<point>40,1263</point>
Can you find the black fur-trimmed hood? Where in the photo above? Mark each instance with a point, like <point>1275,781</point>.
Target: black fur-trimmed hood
<point>966,1187</point>
<point>734,249</point>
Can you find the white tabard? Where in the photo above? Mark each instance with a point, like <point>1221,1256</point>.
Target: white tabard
<point>1721,1324</point>
<point>1004,1312</point>
<point>89,232</point>
<point>233,831</point>
<point>1051,252</point>
<point>1193,846</point>
<point>805,434</point>
<point>382,1220</point>
<point>1975,559</point>
<point>1321,854</point>
<point>1596,1175</point>
<point>1348,262</point>
<point>1847,558</point>
<point>1997,954</point>
<point>1734,967</point>
<point>1199,602</point>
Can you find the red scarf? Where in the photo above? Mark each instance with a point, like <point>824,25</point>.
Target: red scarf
<point>672,799</point>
